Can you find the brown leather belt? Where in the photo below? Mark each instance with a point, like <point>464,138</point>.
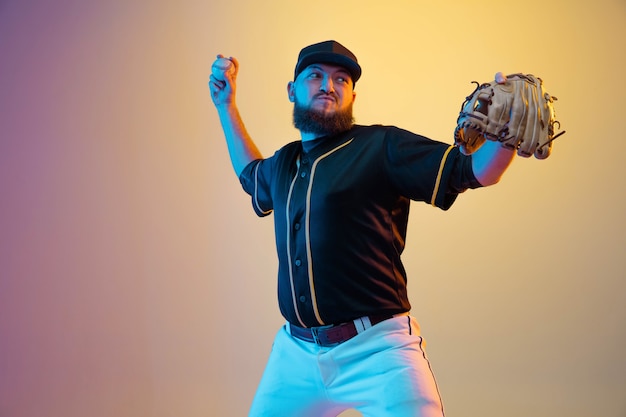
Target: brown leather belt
<point>333,335</point>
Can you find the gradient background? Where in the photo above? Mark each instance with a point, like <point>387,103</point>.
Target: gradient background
<point>135,279</point>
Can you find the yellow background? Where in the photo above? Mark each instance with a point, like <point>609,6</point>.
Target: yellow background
<point>135,279</point>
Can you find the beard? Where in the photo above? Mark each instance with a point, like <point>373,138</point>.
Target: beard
<point>321,124</point>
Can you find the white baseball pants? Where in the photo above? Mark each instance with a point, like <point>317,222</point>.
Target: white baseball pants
<point>381,372</point>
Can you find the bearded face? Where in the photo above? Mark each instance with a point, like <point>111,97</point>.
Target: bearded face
<point>309,120</point>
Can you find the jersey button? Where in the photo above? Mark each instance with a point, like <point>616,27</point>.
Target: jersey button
<point>296,226</point>
<point>303,174</point>
<point>298,262</point>
<point>302,298</point>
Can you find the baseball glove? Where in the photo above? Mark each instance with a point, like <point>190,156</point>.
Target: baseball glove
<point>518,113</point>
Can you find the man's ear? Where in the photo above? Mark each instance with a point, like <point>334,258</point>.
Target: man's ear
<point>291,91</point>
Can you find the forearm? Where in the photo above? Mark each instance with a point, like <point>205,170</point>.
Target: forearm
<point>241,148</point>
<point>490,161</point>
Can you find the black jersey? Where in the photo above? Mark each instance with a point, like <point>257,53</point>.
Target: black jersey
<point>341,207</point>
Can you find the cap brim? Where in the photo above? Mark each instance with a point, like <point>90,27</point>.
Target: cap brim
<point>330,58</point>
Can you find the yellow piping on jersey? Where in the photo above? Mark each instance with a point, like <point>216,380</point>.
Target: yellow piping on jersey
<point>308,227</point>
<point>438,180</point>
<point>293,287</point>
<point>256,192</point>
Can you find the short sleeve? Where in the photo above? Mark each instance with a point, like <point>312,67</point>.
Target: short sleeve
<point>255,181</point>
<point>426,170</point>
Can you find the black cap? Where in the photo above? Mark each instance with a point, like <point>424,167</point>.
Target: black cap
<point>328,52</point>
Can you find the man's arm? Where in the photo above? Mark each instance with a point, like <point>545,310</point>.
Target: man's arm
<point>241,147</point>
<point>490,161</point>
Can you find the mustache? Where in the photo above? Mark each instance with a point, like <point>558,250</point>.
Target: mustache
<point>325,94</point>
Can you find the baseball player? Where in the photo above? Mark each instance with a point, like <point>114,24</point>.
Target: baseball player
<point>340,198</point>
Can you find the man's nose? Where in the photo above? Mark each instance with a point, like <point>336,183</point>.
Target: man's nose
<point>327,85</point>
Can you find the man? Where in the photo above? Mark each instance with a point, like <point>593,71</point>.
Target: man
<point>340,198</point>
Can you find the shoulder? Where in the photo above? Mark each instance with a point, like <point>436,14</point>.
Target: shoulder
<point>388,131</point>
<point>268,164</point>
<point>290,150</point>
<point>393,137</point>
<point>372,132</point>
<point>290,147</point>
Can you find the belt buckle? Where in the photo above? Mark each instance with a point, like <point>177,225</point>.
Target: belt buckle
<point>319,337</point>
<point>315,334</point>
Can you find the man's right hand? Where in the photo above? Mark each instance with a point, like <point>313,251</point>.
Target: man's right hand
<point>223,91</point>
